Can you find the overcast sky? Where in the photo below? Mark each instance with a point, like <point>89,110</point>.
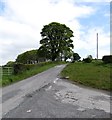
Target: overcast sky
<point>21,22</point>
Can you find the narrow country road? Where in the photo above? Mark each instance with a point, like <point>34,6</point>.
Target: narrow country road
<point>46,95</point>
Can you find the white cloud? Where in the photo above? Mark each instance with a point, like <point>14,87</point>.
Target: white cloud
<point>88,41</point>
<point>22,21</point>
<point>94,0</point>
<point>16,38</point>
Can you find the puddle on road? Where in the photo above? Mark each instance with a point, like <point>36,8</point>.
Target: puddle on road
<point>83,98</point>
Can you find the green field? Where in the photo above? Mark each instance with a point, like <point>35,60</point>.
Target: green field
<point>9,79</point>
<point>95,74</point>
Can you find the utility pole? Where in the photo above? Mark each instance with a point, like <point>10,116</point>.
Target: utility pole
<point>97,46</point>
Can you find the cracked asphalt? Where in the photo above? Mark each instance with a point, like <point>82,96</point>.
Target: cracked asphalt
<point>46,95</point>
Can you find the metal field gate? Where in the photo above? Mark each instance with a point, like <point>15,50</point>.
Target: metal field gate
<point>4,71</point>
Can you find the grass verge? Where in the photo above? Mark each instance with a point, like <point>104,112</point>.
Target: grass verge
<point>7,80</point>
<point>95,74</point>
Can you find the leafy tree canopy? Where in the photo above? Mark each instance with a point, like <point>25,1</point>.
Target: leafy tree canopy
<point>10,63</point>
<point>28,57</point>
<point>88,59</point>
<point>56,40</point>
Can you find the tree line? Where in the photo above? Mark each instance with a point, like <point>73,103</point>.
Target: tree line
<point>56,45</point>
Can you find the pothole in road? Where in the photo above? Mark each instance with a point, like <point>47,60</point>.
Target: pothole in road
<point>48,88</point>
<point>43,88</point>
<point>83,100</point>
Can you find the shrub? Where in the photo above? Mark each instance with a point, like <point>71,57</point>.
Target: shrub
<point>90,56</point>
<point>88,59</point>
<point>79,61</point>
<point>19,68</point>
<point>107,59</point>
<point>76,57</point>
<point>29,66</point>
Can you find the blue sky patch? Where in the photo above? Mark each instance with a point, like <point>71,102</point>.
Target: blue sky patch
<point>100,18</point>
<point>2,7</point>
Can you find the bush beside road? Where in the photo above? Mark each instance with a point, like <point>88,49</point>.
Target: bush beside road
<point>32,70</point>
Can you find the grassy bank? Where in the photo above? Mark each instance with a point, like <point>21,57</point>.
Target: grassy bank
<point>95,74</point>
<point>6,80</point>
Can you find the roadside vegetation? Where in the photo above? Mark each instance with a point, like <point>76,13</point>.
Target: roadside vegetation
<point>32,70</point>
<point>57,45</point>
<point>95,74</point>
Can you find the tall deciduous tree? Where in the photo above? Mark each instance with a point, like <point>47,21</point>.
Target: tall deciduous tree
<point>56,40</point>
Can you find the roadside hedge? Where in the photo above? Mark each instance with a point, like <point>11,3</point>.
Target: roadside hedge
<point>107,59</point>
<point>18,68</point>
<point>87,60</point>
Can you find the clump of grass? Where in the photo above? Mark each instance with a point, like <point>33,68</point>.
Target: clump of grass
<point>7,80</point>
<point>95,74</point>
